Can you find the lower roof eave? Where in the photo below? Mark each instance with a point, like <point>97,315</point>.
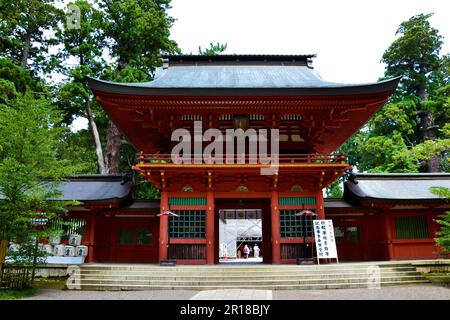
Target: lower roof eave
<point>365,200</point>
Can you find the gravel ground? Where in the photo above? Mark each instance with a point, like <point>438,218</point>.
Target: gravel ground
<point>408,292</point>
<point>54,294</point>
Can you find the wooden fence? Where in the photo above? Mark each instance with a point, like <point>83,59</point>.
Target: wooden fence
<point>15,277</point>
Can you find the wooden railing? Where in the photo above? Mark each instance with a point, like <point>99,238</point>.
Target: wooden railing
<point>283,158</point>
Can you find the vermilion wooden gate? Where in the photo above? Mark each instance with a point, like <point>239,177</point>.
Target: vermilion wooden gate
<point>349,234</point>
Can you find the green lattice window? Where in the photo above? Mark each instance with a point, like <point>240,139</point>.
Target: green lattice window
<point>143,236</point>
<point>188,224</point>
<point>187,201</point>
<point>297,201</point>
<point>411,227</point>
<point>125,236</point>
<point>292,226</point>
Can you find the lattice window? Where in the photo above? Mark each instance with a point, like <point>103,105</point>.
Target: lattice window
<point>189,224</point>
<point>143,236</point>
<point>411,227</point>
<point>125,236</point>
<point>292,226</point>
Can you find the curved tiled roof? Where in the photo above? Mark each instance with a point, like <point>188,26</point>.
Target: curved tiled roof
<point>265,75</point>
<point>95,188</point>
<point>397,186</point>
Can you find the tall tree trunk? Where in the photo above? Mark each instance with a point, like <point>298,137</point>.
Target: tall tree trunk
<point>26,51</point>
<point>112,154</point>
<point>3,248</point>
<point>122,63</point>
<point>434,164</point>
<point>428,132</point>
<point>113,136</point>
<point>96,137</point>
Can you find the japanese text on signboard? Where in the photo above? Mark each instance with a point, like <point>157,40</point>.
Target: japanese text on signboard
<point>325,240</point>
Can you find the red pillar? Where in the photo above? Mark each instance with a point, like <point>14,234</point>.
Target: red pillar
<point>164,226</point>
<point>389,237</point>
<point>366,236</point>
<point>210,223</point>
<point>91,237</point>
<point>276,255</point>
<point>320,205</point>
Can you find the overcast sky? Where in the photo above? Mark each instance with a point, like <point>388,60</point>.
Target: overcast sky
<point>348,36</point>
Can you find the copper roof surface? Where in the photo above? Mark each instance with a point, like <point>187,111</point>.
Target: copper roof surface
<point>239,75</point>
<point>397,186</point>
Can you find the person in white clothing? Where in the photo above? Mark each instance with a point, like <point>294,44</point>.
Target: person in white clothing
<point>256,251</point>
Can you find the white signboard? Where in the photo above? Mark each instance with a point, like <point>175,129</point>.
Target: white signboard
<point>325,240</point>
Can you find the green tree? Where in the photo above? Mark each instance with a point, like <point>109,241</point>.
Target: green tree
<point>138,32</point>
<point>86,45</point>
<point>25,31</point>
<point>77,147</point>
<point>18,79</point>
<point>434,148</point>
<point>30,169</point>
<point>444,234</point>
<point>214,48</point>
<point>375,153</point>
<point>408,134</point>
<point>334,190</point>
<point>415,55</point>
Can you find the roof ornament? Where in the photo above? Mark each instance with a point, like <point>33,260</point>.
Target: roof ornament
<point>305,212</point>
<point>167,213</point>
<point>352,177</point>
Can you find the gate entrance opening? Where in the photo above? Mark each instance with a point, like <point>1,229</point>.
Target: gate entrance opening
<point>243,231</point>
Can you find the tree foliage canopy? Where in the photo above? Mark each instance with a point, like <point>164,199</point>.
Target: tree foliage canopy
<point>444,220</point>
<point>24,31</point>
<point>30,165</point>
<point>409,134</point>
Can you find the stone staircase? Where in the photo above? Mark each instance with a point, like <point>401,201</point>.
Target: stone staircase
<point>268,277</point>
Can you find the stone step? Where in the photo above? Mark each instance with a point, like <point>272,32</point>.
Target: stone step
<point>269,277</point>
<point>231,268</point>
<point>170,270</point>
<point>253,286</point>
<point>217,282</point>
<point>132,276</point>
<point>242,275</point>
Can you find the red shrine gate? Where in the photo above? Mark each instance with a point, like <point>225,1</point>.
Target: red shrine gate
<point>313,117</point>
<point>199,215</point>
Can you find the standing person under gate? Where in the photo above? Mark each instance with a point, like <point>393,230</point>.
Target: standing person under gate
<point>256,251</point>
<point>246,251</point>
